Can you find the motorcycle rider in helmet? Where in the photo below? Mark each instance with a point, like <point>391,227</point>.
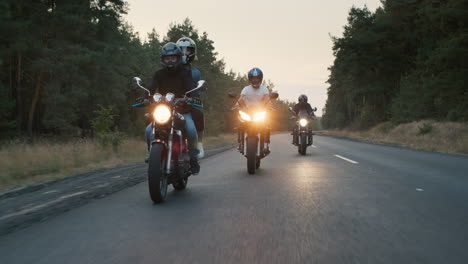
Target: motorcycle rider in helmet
<point>300,106</point>
<point>189,54</point>
<point>175,79</point>
<point>255,94</point>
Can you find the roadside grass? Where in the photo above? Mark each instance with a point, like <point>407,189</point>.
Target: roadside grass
<point>447,137</point>
<point>22,164</point>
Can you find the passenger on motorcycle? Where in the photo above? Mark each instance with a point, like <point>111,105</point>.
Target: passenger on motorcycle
<point>189,54</point>
<point>302,105</point>
<point>177,80</point>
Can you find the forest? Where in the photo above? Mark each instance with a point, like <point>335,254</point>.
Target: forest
<point>406,61</point>
<point>65,64</point>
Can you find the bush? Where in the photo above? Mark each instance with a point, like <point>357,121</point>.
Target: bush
<point>425,129</point>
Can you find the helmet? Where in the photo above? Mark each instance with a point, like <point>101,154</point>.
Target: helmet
<point>187,44</point>
<point>171,55</point>
<point>255,77</point>
<point>302,98</point>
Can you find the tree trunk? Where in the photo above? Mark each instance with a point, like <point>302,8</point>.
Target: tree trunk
<point>35,99</point>
<point>19,99</point>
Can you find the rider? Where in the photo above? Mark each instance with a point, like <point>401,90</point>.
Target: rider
<point>189,54</point>
<point>255,94</point>
<point>302,105</point>
<point>173,78</point>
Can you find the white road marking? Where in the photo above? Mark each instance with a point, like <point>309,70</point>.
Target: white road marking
<point>101,185</point>
<point>419,190</point>
<point>35,208</point>
<point>348,160</point>
<point>116,177</point>
<point>314,146</point>
<point>53,191</point>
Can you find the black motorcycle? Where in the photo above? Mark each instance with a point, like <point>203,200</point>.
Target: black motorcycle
<point>302,132</point>
<point>169,160</point>
<point>253,133</point>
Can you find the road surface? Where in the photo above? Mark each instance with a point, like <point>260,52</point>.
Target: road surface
<point>345,202</point>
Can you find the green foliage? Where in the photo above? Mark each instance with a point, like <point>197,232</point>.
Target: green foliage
<point>425,129</point>
<point>61,60</point>
<point>103,124</point>
<point>403,62</point>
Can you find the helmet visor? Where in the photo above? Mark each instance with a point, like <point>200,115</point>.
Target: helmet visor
<point>170,59</point>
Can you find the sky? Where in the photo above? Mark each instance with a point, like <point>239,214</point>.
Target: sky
<point>289,40</point>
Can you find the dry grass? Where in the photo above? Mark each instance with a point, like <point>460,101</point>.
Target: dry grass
<point>448,137</point>
<point>22,164</point>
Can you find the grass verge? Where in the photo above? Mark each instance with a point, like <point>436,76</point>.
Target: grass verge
<point>22,164</point>
<point>446,137</point>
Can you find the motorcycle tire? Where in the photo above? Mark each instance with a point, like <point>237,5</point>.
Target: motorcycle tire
<point>157,178</point>
<point>251,155</point>
<point>303,144</point>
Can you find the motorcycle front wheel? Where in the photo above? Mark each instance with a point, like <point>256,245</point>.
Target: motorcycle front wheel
<point>303,144</point>
<point>157,178</point>
<point>251,155</point>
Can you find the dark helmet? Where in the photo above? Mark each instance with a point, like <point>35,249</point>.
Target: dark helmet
<point>171,55</point>
<point>255,72</point>
<point>185,44</point>
<point>302,98</point>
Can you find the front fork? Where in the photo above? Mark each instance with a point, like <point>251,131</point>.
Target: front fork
<point>262,139</point>
<point>170,142</point>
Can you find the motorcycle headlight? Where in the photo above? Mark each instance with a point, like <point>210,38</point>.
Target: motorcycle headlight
<point>162,114</point>
<point>244,116</point>
<point>170,97</point>
<point>260,116</point>
<point>157,97</point>
<point>303,122</point>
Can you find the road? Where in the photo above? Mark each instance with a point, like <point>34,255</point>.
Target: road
<point>345,202</point>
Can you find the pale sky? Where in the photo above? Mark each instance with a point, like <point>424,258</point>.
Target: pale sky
<point>288,40</point>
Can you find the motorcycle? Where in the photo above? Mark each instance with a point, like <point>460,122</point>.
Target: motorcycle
<point>302,132</point>
<point>253,133</point>
<point>169,160</point>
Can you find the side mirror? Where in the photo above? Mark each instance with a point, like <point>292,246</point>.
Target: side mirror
<point>291,110</point>
<point>136,83</point>
<point>202,85</point>
<point>274,96</point>
<point>232,95</point>
<point>315,109</point>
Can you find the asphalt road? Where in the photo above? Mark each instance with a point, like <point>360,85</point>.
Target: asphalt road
<point>369,204</point>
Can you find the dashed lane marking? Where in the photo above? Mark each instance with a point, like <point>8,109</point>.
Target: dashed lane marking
<point>348,160</point>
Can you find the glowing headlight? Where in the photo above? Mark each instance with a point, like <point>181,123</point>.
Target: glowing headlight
<point>244,116</point>
<point>162,114</point>
<point>303,122</point>
<point>169,97</point>
<point>259,116</point>
<point>157,97</point>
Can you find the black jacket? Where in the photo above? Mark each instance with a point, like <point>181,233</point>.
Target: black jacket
<point>177,82</point>
<point>299,107</point>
